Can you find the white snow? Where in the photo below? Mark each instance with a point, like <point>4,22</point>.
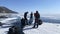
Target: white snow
<point>45,28</point>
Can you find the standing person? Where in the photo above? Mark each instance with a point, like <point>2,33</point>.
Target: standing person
<point>37,17</point>
<point>25,16</point>
<point>31,18</point>
<point>22,23</point>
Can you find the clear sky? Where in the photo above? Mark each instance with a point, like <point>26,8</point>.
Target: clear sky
<point>43,6</point>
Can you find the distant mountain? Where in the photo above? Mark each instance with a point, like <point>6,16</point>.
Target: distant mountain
<point>6,10</point>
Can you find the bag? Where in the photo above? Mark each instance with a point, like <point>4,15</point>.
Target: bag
<point>40,22</point>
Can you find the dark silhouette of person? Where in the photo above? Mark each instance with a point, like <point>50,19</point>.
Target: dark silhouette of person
<point>31,18</point>
<point>31,15</point>
<point>25,17</point>
<point>37,17</point>
<point>22,23</point>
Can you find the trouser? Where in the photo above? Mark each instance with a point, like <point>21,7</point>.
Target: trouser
<point>36,23</point>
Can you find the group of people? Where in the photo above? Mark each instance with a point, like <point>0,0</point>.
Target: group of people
<point>12,30</point>
<point>25,21</point>
<point>15,30</point>
<point>37,20</point>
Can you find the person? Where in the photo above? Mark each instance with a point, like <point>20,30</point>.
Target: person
<point>25,17</point>
<point>22,23</point>
<point>37,17</point>
<point>31,18</point>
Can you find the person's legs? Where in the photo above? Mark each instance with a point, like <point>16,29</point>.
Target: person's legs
<point>37,25</point>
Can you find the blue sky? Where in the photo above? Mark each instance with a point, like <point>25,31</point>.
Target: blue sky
<point>43,6</point>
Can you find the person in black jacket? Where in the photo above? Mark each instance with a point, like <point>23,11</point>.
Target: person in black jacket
<point>31,18</point>
<point>22,23</point>
<point>37,17</point>
<point>25,17</point>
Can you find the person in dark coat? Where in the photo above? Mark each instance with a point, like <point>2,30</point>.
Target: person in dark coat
<point>31,15</point>
<point>31,18</point>
<point>37,17</point>
<point>22,25</point>
<point>25,17</point>
<point>23,22</point>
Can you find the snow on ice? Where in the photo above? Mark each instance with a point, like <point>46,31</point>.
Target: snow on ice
<point>45,28</point>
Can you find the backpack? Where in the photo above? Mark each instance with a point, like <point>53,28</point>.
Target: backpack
<point>40,22</point>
